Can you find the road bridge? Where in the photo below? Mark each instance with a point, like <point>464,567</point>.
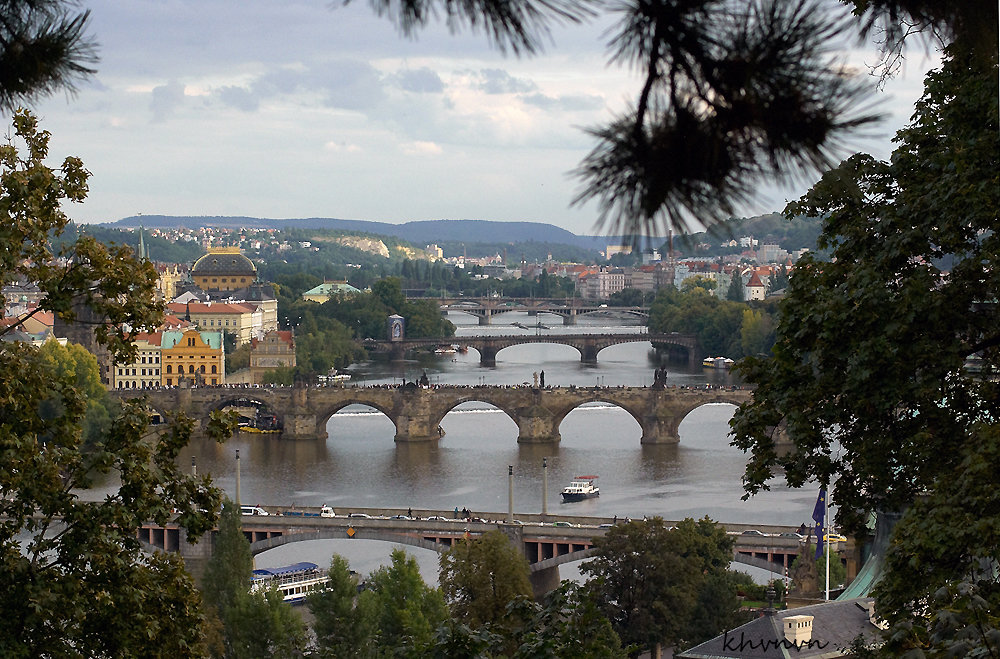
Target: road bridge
<point>588,344</point>
<point>417,412</point>
<point>569,309</point>
<point>546,544</point>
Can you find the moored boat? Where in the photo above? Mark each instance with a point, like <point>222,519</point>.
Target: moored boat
<point>580,488</point>
<point>294,581</point>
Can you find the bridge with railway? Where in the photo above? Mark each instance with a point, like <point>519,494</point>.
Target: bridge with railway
<point>547,541</point>
<point>589,345</point>
<point>417,412</point>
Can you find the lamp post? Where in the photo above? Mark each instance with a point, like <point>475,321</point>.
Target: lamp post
<point>545,489</point>
<point>237,478</point>
<point>510,494</point>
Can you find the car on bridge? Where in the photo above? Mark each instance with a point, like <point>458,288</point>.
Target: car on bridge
<point>834,537</point>
<point>755,533</point>
<point>253,510</point>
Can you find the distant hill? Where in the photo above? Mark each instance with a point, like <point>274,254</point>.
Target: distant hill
<point>793,234</point>
<point>419,232</point>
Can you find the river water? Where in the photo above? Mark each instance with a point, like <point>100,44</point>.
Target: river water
<point>359,464</point>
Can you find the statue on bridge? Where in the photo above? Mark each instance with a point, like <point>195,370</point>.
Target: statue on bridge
<point>660,378</point>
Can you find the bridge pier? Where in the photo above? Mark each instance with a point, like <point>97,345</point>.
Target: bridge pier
<point>588,353</point>
<point>659,428</point>
<point>570,318</point>
<point>487,356</point>
<point>544,581</point>
<point>486,318</point>
<point>537,425</point>
<point>302,426</point>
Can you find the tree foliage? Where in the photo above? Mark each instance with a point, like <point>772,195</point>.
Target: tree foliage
<point>344,624</point>
<point>74,578</point>
<point>869,378</point>
<point>941,590</point>
<point>871,347</point>
<point>43,47</point>
<point>253,624</point>
<point>480,576</point>
<point>649,580</point>
<point>567,623</point>
<point>406,611</point>
<point>716,323</point>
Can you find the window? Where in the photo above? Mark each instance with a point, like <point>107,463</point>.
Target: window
<point>191,342</point>
<point>202,368</point>
<point>168,368</point>
<point>213,368</point>
<point>169,382</point>
<point>214,381</point>
<point>191,368</point>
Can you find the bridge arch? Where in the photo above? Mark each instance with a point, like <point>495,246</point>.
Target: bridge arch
<point>599,396</point>
<point>261,546</point>
<point>327,412</point>
<point>439,412</point>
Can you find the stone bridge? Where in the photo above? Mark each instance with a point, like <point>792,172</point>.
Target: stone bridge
<point>569,309</point>
<point>588,344</point>
<point>544,545</point>
<point>417,412</point>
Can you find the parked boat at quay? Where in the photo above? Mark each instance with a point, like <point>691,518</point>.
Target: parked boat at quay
<point>580,488</point>
<point>717,362</point>
<point>295,581</point>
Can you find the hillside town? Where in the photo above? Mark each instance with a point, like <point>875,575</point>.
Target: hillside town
<point>220,294</point>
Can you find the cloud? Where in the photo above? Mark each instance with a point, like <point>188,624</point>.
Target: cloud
<point>165,99</point>
<point>240,98</point>
<point>498,81</point>
<point>572,103</point>
<point>420,81</point>
<point>342,147</point>
<point>422,149</point>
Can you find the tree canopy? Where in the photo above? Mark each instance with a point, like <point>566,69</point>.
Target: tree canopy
<point>884,370</point>
<point>481,576</point>
<point>653,582</point>
<point>74,577</point>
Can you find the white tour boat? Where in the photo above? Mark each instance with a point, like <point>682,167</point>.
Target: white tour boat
<point>580,488</point>
<point>294,581</point>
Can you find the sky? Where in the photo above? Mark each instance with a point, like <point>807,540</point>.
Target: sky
<point>305,108</point>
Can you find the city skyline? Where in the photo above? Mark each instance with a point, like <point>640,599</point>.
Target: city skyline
<point>307,110</point>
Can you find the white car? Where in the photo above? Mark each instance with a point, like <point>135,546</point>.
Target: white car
<point>253,510</point>
<point>327,511</point>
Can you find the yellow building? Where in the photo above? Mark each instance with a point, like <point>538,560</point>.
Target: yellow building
<point>243,321</point>
<point>144,371</point>
<point>194,355</point>
<point>223,269</point>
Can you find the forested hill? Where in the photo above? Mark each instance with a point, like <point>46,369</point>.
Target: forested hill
<point>420,232</point>
<point>789,234</point>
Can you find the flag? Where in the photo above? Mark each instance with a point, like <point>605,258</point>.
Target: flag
<point>819,516</point>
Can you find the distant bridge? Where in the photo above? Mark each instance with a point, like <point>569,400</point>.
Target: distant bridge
<point>569,309</point>
<point>545,545</point>
<point>417,412</point>
<point>588,344</point>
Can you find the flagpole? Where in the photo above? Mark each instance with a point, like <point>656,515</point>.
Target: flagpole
<point>826,537</point>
